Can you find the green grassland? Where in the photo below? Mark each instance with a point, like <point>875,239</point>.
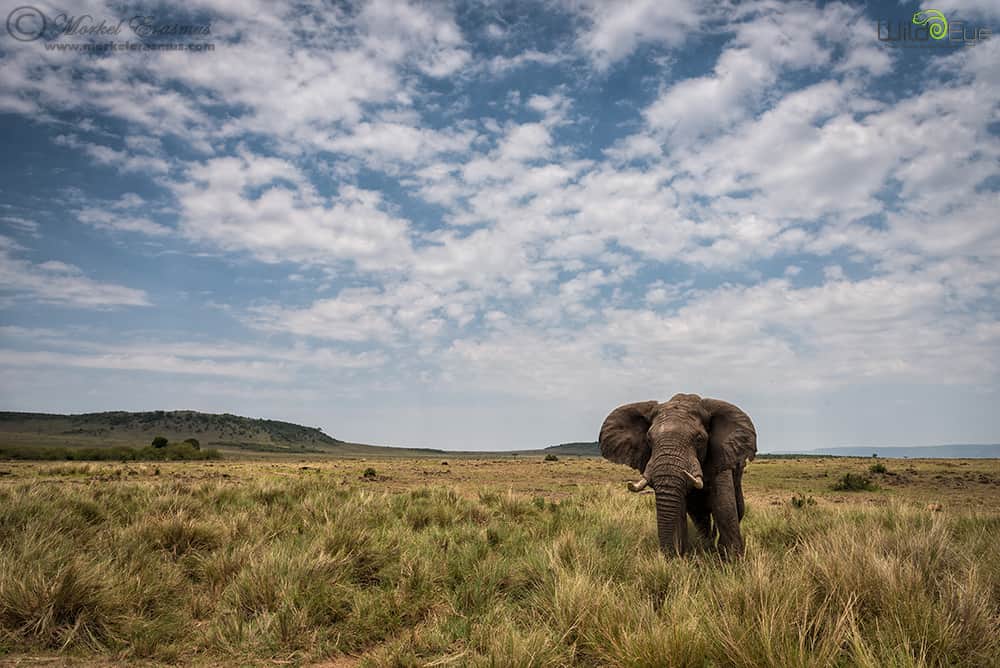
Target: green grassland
<point>490,562</point>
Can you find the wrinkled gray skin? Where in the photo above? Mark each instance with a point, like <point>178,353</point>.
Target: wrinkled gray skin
<point>692,452</point>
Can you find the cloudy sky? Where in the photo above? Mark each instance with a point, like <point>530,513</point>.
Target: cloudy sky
<point>484,225</point>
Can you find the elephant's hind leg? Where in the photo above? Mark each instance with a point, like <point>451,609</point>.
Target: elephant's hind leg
<point>725,511</point>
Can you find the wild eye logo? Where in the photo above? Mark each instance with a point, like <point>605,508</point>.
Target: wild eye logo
<point>938,24</point>
<point>930,28</point>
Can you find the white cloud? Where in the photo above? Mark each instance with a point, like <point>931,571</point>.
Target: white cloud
<point>355,315</point>
<point>21,224</point>
<point>60,283</point>
<point>616,29</point>
<point>966,9</point>
<point>772,40</point>
<point>144,362</point>
<point>323,69</point>
<point>528,141</point>
<point>635,147</point>
<point>494,31</point>
<point>769,337</point>
<point>386,143</point>
<point>267,207</point>
<point>774,226</point>
<point>400,29</point>
<point>110,220</point>
<point>120,160</point>
<point>505,64</point>
<point>41,348</point>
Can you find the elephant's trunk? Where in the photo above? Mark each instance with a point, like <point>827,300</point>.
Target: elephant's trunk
<point>671,519</point>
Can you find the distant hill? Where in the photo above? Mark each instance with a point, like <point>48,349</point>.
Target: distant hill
<point>956,451</point>
<point>211,429</point>
<point>579,448</point>
<point>234,432</point>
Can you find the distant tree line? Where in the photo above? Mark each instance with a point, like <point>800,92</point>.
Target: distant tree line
<point>159,450</point>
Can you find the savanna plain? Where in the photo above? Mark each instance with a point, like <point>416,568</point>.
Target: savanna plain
<point>491,562</point>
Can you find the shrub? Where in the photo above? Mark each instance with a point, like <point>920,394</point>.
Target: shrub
<point>801,500</point>
<point>193,442</point>
<point>854,482</point>
<point>551,458</point>
<point>159,442</point>
<point>176,451</point>
<point>878,467</point>
<point>370,473</point>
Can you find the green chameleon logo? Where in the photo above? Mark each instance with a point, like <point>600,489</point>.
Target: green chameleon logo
<point>938,27</point>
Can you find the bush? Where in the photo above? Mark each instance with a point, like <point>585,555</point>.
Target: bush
<point>551,458</point>
<point>160,442</point>
<point>176,451</point>
<point>855,482</point>
<point>193,442</point>
<point>878,467</point>
<point>801,500</point>
<point>370,473</point>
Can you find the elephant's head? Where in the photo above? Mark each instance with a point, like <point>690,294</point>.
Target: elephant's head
<point>678,447</point>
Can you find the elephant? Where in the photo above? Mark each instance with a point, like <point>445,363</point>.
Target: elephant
<point>692,452</point>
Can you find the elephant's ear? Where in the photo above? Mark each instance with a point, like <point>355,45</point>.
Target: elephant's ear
<point>732,439</point>
<point>623,434</point>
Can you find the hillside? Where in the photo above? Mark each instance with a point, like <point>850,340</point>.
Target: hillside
<point>954,451</point>
<point>223,431</point>
<point>121,427</point>
<point>234,432</point>
<point>579,449</point>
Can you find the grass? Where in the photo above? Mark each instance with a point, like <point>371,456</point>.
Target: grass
<point>254,563</point>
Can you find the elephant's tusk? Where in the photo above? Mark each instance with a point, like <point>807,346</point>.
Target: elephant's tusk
<point>638,486</point>
<point>697,482</point>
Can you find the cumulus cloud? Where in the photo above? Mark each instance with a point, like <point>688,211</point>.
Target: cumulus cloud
<point>769,42</point>
<point>472,207</point>
<point>60,283</point>
<point>384,144</point>
<point>267,207</point>
<point>123,161</point>
<point>771,337</point>
<point>315,84</point>
<point>613,30</point>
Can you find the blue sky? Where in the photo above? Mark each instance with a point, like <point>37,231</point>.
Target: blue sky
<point>484,225</point>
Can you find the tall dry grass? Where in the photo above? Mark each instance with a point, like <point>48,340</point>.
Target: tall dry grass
<point>299,570</point>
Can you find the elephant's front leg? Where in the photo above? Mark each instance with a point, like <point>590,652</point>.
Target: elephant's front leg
<point>725,511</point>
<point>738,485</point>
